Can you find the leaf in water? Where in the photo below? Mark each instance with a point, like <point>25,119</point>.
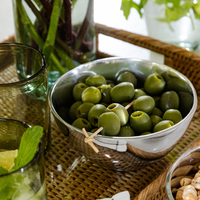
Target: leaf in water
<point>7,188</point>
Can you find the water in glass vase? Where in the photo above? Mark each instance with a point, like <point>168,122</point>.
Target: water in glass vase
<point>181,28</point>
<point>26,193</point>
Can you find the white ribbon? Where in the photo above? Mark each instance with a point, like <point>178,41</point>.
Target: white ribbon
<point>119,145</point>
<point>122,195</point>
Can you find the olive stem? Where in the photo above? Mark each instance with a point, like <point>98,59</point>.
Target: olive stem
<point>90,139</point>
<point>90,142</point>
<point>129,105</point>
<point>96,132</point>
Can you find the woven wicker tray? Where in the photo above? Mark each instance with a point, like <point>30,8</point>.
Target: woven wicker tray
<point>70,176</point>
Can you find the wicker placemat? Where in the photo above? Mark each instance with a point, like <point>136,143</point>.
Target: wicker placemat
<point>71,176</point>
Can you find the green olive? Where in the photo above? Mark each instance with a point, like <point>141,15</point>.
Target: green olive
<point>95,80</point>
<point>140,122</point>
<point>120,111</point>
<point>93,130</point>
<point>138,93</point>
<point>73,108</point>
<point>91,94</point>
<point>173,115</point>
<point>186,102</point>
<point>122,92</point>
<point>94,113</point>
<point>104,104</point>
<point>110,123</point>
<point>82,123</point>
<point>176,83</point>
<point>126,131</point>
<point>82,79</point>
<point>157,111</point>
<point>164,124</point>
<point>155,119</point>
<point>127,77</point>
<point>144,103</point>
<point>169,100</point>
<point>146,133</point>
<point>154,84</point>
<point>156,99</point>
<point>110,82</point>
<point>77,91</point>
<point>105,93</point>
<point>83,110</point>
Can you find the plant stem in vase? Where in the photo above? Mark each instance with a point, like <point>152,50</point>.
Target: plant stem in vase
<point>62,30</point>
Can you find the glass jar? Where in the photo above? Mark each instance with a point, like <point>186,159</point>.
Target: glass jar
<point>24,88</point>
<point>175,22</point>
<point>64,33</point>
<point>28,182</point>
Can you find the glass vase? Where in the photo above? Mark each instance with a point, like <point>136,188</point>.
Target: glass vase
<point>62,30</point>
<point>176,23</point>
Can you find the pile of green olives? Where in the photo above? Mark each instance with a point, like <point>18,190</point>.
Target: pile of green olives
<point>162,101</point>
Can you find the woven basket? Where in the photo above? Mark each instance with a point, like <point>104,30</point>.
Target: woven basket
<point>70,176</point>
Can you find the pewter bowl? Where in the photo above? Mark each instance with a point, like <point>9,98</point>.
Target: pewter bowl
<point>118,153</point>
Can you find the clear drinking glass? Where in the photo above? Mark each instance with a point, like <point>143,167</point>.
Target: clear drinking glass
<point>24,87</point>
<point>185,166</point>
<point>28,182</point>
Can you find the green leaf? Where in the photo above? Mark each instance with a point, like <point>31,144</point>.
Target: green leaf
<point>174,9</point>
<point>142,3</point>
<point>3,171</point>
<point>8,187</point>
<point>9,184</point>
<point>196,8</point>
<point>126,6</point>
<point>28,146</point>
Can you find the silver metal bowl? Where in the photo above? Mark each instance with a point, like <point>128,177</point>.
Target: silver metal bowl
<point>119,153</point>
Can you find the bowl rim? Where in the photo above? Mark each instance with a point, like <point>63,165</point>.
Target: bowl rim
<point>109,60</point>
<point>173,167</point>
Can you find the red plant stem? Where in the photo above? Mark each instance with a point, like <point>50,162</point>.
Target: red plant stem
<point>48,7</point>
<point>36,12</point>
<point>86,23</point>
<point>67,27</point>
<point>85,46</point>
